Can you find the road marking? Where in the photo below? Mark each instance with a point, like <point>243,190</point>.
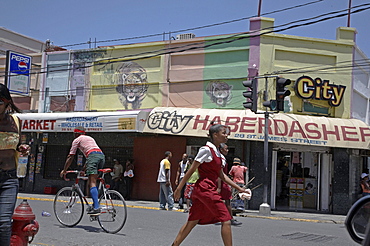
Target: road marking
<point>41,244</point>
<point>51,200</point>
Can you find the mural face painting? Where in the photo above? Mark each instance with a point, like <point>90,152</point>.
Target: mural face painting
<point>132,85</point>
<point>219,92</point>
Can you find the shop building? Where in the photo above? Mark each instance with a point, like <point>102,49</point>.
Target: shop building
<point>313,161</point>
<point>51,134</point>
<point>317,146</point>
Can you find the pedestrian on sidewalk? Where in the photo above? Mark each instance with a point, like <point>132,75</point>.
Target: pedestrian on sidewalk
<point>237,173</point>
<point>95,159</point>
<point>190,184</point>
<point>365,184</point>
<point>9,147</point>
<point>225,189</point>
<point>179,175</point>
<point>208,207</point>
<point>128,175</point>
<point>165,188</point>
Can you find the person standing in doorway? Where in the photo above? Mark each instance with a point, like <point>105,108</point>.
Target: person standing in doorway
<point>117,175</point>
<point>128,176</point>
<point>95,159</point>
<point>180,174</point>
<point>165,188</point>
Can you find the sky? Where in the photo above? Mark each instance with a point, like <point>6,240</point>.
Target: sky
<point>70,22</point>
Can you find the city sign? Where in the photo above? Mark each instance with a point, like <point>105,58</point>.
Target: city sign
<point>245,125</point>
<point>308,88</point>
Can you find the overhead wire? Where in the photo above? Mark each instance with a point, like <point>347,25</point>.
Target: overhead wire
<point>195,28</point>
<point>323,68</point>
<point>239,36</point>
<point>232,38</point>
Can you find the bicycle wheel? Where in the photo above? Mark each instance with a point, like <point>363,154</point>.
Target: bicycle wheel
<point>68,207</point>
<point>113,211</point>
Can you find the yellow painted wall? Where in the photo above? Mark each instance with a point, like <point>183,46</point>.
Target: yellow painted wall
<point>143,77</point>
<point>292,57</point>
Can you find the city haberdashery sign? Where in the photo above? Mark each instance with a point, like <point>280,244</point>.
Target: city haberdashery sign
<point>18,69</point>
<point>245,125</point>
<point>120,121</point>
<point>318,89</point>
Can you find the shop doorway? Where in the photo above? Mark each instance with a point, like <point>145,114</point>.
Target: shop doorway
<point>296,180</point>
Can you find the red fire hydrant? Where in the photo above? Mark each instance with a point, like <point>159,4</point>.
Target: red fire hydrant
<point>24,225</point>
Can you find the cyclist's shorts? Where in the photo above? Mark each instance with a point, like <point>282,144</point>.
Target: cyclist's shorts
<point>94,162</point>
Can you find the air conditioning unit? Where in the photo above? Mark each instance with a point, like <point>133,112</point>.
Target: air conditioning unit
<point>185,36</point>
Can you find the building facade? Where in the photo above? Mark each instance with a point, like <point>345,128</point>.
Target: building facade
<point>318,146</point>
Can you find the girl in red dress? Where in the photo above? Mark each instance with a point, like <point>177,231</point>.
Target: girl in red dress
<point>208,207</point>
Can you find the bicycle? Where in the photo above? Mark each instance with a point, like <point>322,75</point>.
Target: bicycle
<point>69,204</point>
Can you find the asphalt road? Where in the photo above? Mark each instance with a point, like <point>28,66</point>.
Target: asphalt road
<point>156,227</point>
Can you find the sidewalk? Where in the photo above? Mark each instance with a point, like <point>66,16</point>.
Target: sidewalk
<point>275,215</point>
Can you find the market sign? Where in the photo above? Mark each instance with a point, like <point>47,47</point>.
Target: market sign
<point>18,67</point>
<point>120,121</point>
<point>245,125</point>
<point>308,88</point>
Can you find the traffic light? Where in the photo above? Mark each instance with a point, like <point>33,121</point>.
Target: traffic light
<point>250,95</point>
<point>272,104</point>
<point>281,92</point>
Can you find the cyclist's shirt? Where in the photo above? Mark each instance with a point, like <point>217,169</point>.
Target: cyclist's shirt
<point>86,144</point>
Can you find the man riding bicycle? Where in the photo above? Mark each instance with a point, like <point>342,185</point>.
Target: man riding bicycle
<point>95,160</point>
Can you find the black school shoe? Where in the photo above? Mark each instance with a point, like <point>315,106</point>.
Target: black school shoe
<point>235,222</point>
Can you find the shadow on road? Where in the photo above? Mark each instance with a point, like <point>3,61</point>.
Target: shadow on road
<point>86,228</point>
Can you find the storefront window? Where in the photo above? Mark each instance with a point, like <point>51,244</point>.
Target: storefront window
<point>296,180</point>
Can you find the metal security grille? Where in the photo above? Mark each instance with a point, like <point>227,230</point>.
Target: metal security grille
<point>120,153</point>
<point>55,157</point>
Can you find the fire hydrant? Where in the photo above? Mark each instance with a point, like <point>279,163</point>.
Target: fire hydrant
<point>24,225</point>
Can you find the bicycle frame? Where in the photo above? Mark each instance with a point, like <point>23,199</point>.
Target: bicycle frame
<point>76,187</point>
<point>103,187</point>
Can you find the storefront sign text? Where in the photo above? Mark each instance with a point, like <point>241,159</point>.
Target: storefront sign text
<point>308,88</point>
<point>309,131</point>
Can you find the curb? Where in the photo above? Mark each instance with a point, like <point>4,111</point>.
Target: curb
<point>127,205</point>
<point>237,215</point>
<point>292,219</point>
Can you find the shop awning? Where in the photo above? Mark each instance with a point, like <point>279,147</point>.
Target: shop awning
<point>245,125</point>
<point>119,121</point>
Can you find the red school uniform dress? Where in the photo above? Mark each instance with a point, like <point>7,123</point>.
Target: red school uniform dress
<point>208,206</point>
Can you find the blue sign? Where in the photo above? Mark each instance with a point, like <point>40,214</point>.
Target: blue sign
<point>19,68</point>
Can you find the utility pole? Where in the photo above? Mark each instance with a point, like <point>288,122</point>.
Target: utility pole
<point>259,8</point>
<point>265,208</point>
<point>275,106</point>
<point>349,13</point>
